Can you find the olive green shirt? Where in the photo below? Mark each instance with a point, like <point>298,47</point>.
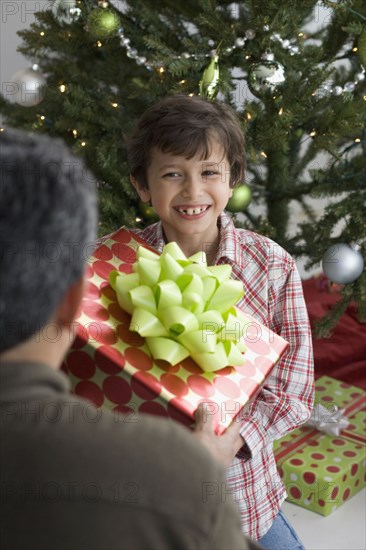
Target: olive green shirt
<point>74,477</point>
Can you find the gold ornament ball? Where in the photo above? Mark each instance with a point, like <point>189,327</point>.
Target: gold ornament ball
<point>240,199</point>
<point>147,212</point>
<point>102,23</point>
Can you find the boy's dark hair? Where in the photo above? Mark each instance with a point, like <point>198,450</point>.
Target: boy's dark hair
<point>184,125</point>
<point>48,214</point>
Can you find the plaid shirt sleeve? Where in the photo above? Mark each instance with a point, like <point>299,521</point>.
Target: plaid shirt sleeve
<point>286,399</point>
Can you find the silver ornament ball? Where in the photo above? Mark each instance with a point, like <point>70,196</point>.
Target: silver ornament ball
<point>250,34</point>
<point>337,90</point>
<point>240,42</point>
<point>359,77</point>
<point>66,11</point>
<point>132,53</point>
<point>349,87</point>
<point>343,263</point>
<point>266,77</point>
<point>28,88</point>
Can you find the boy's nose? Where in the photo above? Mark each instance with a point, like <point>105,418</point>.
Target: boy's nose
<point>192,187</point>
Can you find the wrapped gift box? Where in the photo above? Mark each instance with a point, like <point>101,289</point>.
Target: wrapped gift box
<point>322,471</point>
<point>111,366</point>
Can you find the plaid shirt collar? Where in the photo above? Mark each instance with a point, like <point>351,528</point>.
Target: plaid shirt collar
<point>229,250</point>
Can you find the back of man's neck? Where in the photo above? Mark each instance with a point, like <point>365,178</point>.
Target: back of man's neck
<point>34,351</point>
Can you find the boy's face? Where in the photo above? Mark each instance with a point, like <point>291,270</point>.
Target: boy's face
<point>188,195</point>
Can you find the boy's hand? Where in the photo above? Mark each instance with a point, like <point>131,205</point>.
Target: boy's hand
<point>222,447</point>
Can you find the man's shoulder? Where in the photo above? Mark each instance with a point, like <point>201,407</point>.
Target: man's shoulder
<point>154,464</point>
<point>144,447</point>
<point>127,472</point>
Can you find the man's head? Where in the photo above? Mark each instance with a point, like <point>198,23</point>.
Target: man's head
<point>188,127</point>
<point>48,214</point>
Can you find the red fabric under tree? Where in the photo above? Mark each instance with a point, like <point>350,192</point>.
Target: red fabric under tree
<point>343,354</point>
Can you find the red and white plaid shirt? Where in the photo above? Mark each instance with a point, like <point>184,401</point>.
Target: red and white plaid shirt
<point>272,294</point>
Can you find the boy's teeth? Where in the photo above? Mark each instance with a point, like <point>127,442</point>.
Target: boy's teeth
<point>191,211</point>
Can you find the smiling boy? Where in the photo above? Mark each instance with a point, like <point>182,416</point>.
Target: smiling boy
<point>186,163</point>
<point>186,155</point>
<point>188,196</point>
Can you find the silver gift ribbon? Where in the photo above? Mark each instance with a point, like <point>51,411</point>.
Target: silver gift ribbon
<point>330,421</point>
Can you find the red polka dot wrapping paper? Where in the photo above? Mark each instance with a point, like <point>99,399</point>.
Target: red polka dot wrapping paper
<point>322,471</point>
<point>111,366</point>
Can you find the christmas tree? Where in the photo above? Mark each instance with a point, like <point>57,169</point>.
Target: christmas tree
<point>95,66</point>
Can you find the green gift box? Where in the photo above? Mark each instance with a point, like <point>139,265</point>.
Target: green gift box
<point>322,471</point>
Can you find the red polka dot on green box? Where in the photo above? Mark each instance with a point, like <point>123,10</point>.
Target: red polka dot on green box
<point>323,471</point>
<point>112,366</point>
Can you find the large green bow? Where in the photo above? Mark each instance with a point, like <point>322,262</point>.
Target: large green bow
<point>183,307</point>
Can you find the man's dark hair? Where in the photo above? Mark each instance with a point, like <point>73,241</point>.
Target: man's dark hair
<point>187,126</point>
<point>48,215</point>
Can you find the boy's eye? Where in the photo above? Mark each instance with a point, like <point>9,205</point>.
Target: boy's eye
<point>171,175</point>
<point>210,173</point>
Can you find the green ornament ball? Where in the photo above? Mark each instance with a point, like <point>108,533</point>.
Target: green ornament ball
<point>361,46</point>
<point>240,199</point>
<point>147,212</point>
<point>102,23</point>
<point>299,133</point>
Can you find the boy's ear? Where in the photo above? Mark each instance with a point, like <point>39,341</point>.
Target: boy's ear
<point>67,309</point>
<point>142,192</point>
